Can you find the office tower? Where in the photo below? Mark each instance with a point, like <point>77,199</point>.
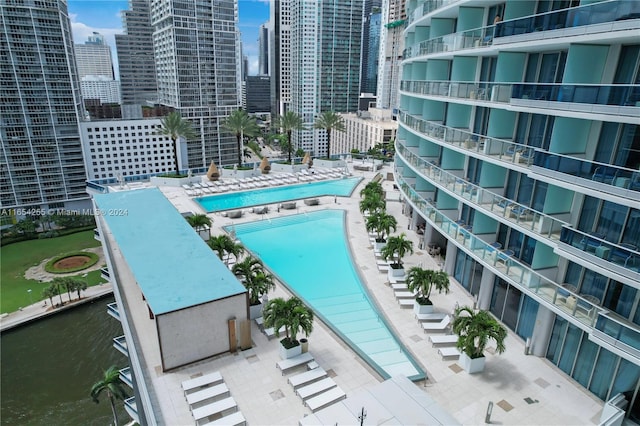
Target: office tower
<point>280,56</point>
<point>372,64</point>
<point>136,63</point>
<point>325,64</point>
<point>370,9</point>
<point>519,148</point>
<point>258,94</point>
<point>41,162</point>
<point>196,49</point>
<point>94,57</point>
<point>263,49</point>
<point>245,67</point>
<point>390,57</point>
<point>100,87</point>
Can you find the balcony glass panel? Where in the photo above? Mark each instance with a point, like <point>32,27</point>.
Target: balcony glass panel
<point>619,94</point>
<point>563,298</point>
<point>120,343</point>
<point>624,333</point>
<point>470,39</point>
<point>608,11</point>
<point>112,309</point>
<point>428,7</point>
<point>125,376</point>
<point>589,170</point>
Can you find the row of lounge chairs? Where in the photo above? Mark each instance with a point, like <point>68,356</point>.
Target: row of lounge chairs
<point>211,402</point>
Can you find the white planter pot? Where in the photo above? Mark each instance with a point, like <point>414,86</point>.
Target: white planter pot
<point>255,311</point>
<point>422,309</point>
<point>378,246</point>
<point>290,353</point>
<point>472,366</point>
<point>396,272</point>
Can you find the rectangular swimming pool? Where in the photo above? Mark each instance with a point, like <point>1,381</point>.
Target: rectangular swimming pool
<point>310,255</point>
<point>278,194</point>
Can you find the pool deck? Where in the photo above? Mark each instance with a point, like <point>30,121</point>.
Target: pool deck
<point>509,381</point>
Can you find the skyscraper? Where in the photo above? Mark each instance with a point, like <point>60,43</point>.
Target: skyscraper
<point>94,57</point>
<point>370,9</point>
<point>136,63</point>
<point>519,150</point>
<point>263,49</point>
<point>280,57</point>
<point>373,57</point>
<point>391,47</point>
<point>325,64</point>
<point>41,163</point>
<point>196,49</point>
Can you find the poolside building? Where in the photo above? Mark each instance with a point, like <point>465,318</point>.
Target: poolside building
<point>519,149</point>
<point>177,302</point>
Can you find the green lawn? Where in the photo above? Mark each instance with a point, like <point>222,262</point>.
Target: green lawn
<point>16,258</point>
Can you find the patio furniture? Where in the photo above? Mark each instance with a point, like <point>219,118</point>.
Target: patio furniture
<point>287,364</point>
<point>316,388</point>
<point>214,408</point>
<point>307,377</point>
<point>208,393</point>
<point>202,381</point>
<point>449,352</point>
<point>325,399</point>
<point>446,340</point>
<point>432,317</point>
<point>438,326</point>
<point>520,212</point>
<point>234,419</point>
<point>504,255</point>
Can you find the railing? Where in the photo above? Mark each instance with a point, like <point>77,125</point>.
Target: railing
<point>623,255</point>
<point>120,343</point>
<point>104,273</point>
<point>96,234</point>
<point>509,268</point>
<point>524,216</point>
<point>500,149</point>
<point>112,309</point>
<point>599,13</point>
<point>131,408</point>
<point>469,39</point>
<point>624,336</point>
<point>591,171</point>
<point>125,376</point>
<point>427,7</point>
<point>593,94</point>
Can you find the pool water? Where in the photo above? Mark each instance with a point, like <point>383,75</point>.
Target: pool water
<point>278,194</point>
<point>309,253</point>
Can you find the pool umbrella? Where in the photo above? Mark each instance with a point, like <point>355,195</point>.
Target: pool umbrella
<point>265,167</point>
<point>306,158</point>
<point>213,173</point>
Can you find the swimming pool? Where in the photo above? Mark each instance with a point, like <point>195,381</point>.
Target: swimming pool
<point>278,194</point>
<point>315,263</point>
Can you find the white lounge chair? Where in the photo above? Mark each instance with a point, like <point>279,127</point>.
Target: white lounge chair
<point>208,393</point>
<point>436,316</point>
<point>404,294</point>
<point>396,280</point>
<point>406,303</point>
<point>446,340</point>
<point>234,419</point>
<point>437,326</point>
<point>400,287</point>
<point>315,388</point>
<point>325,398</point>
<point>307,377</point>
<point>214,408</point>
<point>449,352</point>
<point>199,382</point>
<point>287,364</point>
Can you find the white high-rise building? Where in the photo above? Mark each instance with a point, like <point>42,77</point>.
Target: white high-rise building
<point>280,56</point>
<point>94,57</point>
<point>391,47</point>
<point>41,164</point>
<point>100,87</point>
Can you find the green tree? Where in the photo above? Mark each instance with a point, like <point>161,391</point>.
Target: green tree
<point>287,123</point>
<point>224,246</point>
<point>291,314</point>
<point>241,124</point>
<point>246,268</point>
<point>424,281</point>
<point>475,329</point>
<point>372,203</point>
<point>50,292</point>
<point>329,121</point>
<point>372,188</point>
<point>112,386</point>
<point>58,284</point>
<point>381,223</point>
<point>199,222</point>
<point>175,127</point>
<point>396,248</point>
<point>78,286</point>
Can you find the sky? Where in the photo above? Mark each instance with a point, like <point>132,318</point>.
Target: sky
<point>103,16</point>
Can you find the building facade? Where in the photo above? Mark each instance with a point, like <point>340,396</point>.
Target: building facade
<point>115,148</point>
<point>519,149</point>
<point>94,58</point>
<point>280,55</point>
<point>102,88</point>
<point>369,54</point>
<point>197,54</point>
<point>364,131</point>
<point>258,94</point>
<point>41,163</point>
<point>263,49</point>
<point>390,56</point>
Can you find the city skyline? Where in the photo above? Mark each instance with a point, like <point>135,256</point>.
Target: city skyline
<point>104,17</point>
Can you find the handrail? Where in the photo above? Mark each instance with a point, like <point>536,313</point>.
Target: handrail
<point>509,268</point>
<point>427,7</point>
<point>468,39</point>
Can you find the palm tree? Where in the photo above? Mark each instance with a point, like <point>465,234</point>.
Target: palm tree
<point>224,246</point>
<point>396,248</point>
<point>50,292</point>
<point>248,267</point>
<point>56,285</point>
<point>79,285</point>
<point>289,122</point>
<point>329,121</point>
<point>372,188</point>
<point>112,385</point>
<point>291,314</point>
<point>241,124</point>
<point>174,126</point>
<point>199,222</point>
<point>372,203</point>
<point>258,285</point>
<point>425,280</point>
<point>381,223</point>
<point>475,329</point>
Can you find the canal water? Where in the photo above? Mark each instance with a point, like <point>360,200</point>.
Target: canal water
<point>49,366</point>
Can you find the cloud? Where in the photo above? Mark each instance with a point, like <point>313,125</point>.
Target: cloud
<point>253,65</point>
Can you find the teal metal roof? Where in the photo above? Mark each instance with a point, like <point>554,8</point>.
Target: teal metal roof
<point>172,265</point>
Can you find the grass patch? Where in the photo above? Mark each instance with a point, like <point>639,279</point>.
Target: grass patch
<point>16,258</point>
<point>50,266</point>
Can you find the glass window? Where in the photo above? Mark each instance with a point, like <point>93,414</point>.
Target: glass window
<point>555,342</point>
<point>574,272</point>
<point>570,347</point>
<point>605,367</point>
<point>511,307</point>
<point>620,298</point>
<point>593,284</point>
<point>606,142</point>
<point>528,314</point>
<point>626,381</point>
<point>525,190</point>
<point>585,360</point>
<point>498,297</point>
<point>611,220</point>
<point>588,214</point>
<point>631,233</point>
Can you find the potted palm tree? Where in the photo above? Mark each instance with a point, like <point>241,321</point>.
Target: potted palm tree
<point>251,274</point>
<point>423,281</point>
<point>292,316</point>
<point>225,247</point>
<point>474,330</point>
<point>241,124</point>
<point>174,126</point>
<point>396,248</point>
<point>113,387</point>
<point>372,203</point>
<point>381,223</point>
<point>202,225</point>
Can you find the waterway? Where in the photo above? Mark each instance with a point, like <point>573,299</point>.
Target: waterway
<point>49,366</point>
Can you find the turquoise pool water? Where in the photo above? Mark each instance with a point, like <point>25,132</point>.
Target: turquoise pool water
<point>278,194</point>
<point>310,255</point>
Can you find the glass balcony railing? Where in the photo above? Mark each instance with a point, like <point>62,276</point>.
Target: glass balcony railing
<point>623,255</point>
<point>525,217</point>
<point>622,335</point>
<point>428,7</point>
<point>112,309</point>
<point>593,94</point>
<point>509,268</point>
<point>498,149</point>
<point>104,273</point>
<point>590,171</point>
<point>125,376</point>
<point>469,39</point>
<point>120,343</point>
<point>131,408</point>
<point>598,13</point>
<point>96,234</point>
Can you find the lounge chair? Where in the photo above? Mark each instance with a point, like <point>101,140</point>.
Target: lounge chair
<point>405,294</point>
<point>307,377</point>
<point>214,408</point>
<point>234,419</point>
<point>438,326</point>
<point>435,316</point>
<point>312,202</point>
<point>325,399</point>
<point>520,212</point>
<point>504,255</point>
<point>449,352</point>
<point>208,393</point>
<point>287,364</point>
<point>235,214</point>
<point>316,388</point>
<point>406,303</point>
<point>202,381</point>
<point>446,340</point>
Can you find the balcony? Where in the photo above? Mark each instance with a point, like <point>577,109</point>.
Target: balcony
<point>120,343</point>
<point>525,217</point>
<point>104,273</point>
<point>471,39</point>
<point>125,376</point>
<point>594,252</point>
<point>562,300</point>
<point>428,7</point>
<point>619,336</point>
<point>96,234</point>
<point>112,309</point>
<point>132,408</point>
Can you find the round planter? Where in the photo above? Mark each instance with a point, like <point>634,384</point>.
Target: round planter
<point>304,344</point>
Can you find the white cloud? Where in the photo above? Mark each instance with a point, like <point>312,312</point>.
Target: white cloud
<point>253,65</point>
